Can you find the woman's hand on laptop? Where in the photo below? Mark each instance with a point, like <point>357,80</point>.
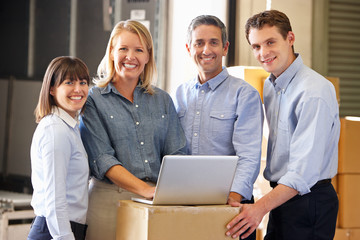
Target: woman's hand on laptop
<point>148,192</point>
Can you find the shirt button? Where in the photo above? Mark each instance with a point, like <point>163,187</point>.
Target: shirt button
<point>137,123</point>
<point>197,112</point>
<point>136,105</point>
<point>222,115</point>
<point>279,93</point>
<point>111,116</point>
<point>202,91</point>
<point>195,134</point>
<point>146,161</point>
<point>162,116</point>
<point>142,143</point>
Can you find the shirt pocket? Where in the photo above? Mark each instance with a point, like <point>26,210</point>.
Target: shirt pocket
<point>283,126</point>
<point>160,123</point>
<point>283,139</point>
<point>222,122</point>
<point>117,126</point>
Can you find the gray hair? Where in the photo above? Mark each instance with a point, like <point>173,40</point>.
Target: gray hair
<point>207,20</point>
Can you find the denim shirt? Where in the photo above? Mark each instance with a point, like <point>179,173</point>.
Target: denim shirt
<point>135,135</point>
<point>224,116</point>
<point>303,117</point>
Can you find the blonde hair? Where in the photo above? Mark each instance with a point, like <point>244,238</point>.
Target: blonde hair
<point>59,69</point>
<point>106,69</point>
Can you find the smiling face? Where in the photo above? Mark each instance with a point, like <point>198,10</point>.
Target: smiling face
<point>207,49</point>
<point>273,52</point>
<point>129,56</point>
<point>71,95</point>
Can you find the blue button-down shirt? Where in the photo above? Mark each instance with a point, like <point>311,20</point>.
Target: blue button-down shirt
<point>224,116</point>
<point>59,173</point>
<point>135,135</point>
<point>303,117</point>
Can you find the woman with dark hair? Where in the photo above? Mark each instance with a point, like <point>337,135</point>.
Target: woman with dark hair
<point>60,170</point>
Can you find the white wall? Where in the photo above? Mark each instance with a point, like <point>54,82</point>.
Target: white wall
<point>300,14</point>
<point>180,66</point>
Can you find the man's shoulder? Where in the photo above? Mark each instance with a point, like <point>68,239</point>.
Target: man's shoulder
<point>312,85</point>
<point>310,75</point>
<point>187,85</point>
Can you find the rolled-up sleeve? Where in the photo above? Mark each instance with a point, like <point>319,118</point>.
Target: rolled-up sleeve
<point>308,145</point>
<point>247,138</point>
<point>101,154</point>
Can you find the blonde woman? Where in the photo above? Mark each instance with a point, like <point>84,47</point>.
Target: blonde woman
<point>59,166</point>
<point>127,127</point>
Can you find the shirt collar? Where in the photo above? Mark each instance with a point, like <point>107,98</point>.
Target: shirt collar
<point>214,82</point>
<point>64,116</point>
<point>111,88</point>
<point>283,81</point>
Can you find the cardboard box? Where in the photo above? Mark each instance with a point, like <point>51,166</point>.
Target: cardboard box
<point>255,76</point>
<point>334,182</point>
<point>260,234</point>
<point>137,221</point>
<point>349,198</point>
<point>349,150</point>
<point>347,234</point>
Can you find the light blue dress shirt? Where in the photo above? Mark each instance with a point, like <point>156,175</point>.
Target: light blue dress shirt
<point>135,135</point>
<point>224,116</point>
<point>60,173</point>
<point>304,127</point>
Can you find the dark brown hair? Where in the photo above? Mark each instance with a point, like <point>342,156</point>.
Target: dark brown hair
<point>270,18</point>
<point>59,69</point>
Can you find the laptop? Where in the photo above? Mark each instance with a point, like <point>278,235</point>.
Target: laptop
<point>193,180</point>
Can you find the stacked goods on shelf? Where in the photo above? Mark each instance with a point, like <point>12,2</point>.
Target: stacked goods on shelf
<point>348,178</point>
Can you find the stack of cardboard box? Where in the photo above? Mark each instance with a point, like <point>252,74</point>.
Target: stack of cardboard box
<point>348,179</point>
<point>255,76</point>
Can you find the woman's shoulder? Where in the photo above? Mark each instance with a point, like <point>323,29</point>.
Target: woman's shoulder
<point>159,91</point>
<point>95,90</point>
<point>49,119</point>
<point>52,125</point>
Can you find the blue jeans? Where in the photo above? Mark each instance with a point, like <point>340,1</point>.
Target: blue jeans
<point>40,231</point>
